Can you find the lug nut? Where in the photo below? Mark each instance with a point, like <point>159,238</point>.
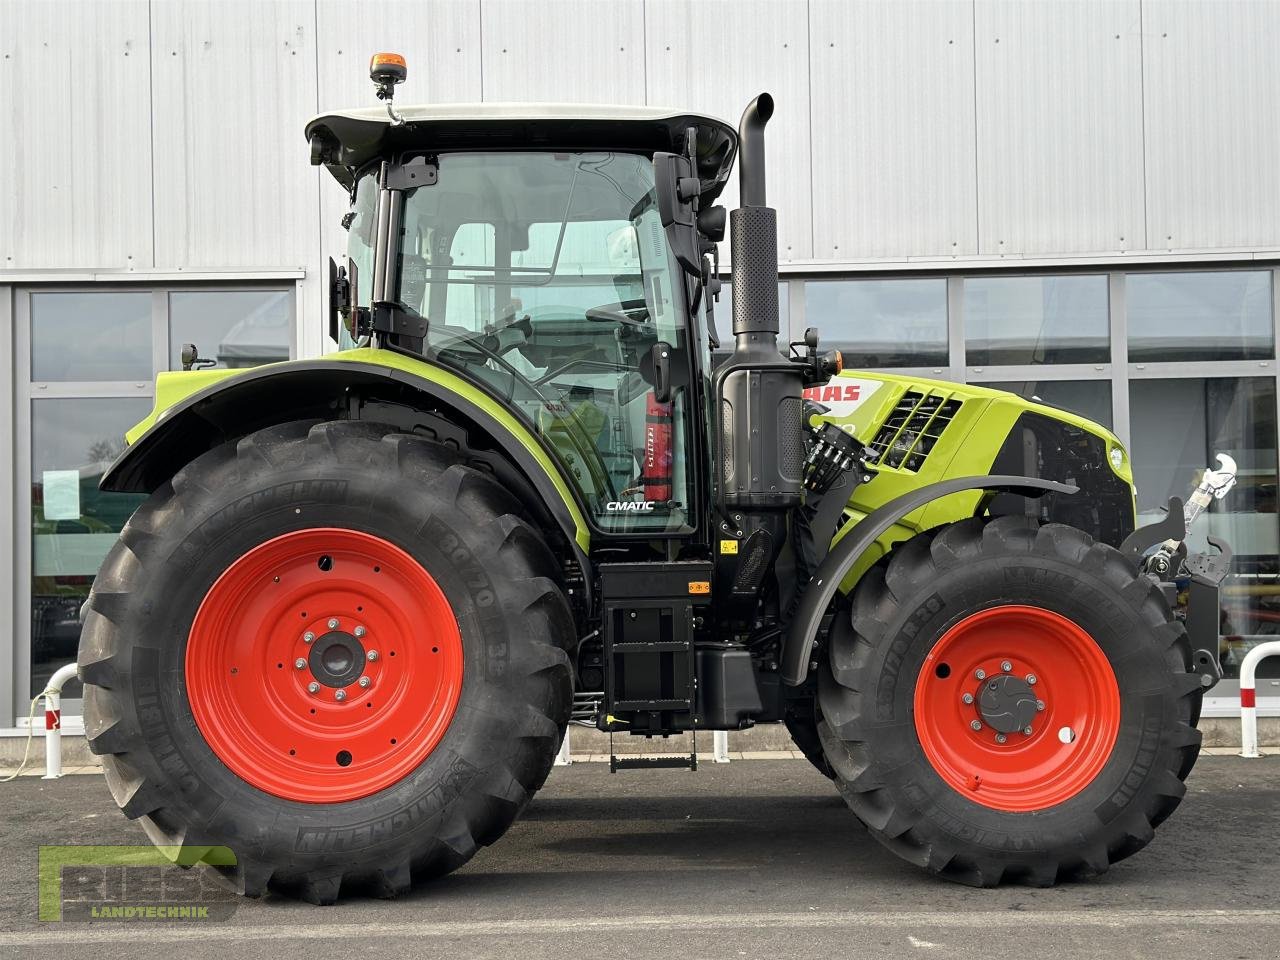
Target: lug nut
<point>371,656</point>
<point>1027,731</point>
<point>340,695</point>
<point>1031,679</point>
<point>1001,738</point>
<point>365,681</point>
<point>1006,666</point>
<point>976,725</point>
<point>308,637</point>
<point>313,687</point>
<point>967,698</point>
<point>299,663</point>
<point>1040,705</point>
<point>333,623</point>
<point>980,674</point>
<point>359,631</point>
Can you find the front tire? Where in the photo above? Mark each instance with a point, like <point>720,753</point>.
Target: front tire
<point>335,649</point>
<point>1009,702</point>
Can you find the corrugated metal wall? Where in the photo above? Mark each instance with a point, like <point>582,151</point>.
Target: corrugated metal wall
<point>167,135</point>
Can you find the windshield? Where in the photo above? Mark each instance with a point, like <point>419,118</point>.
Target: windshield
<point>547,276</point>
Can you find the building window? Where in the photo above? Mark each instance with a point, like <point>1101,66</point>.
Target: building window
<point>234,328</point>
<point>73,523</point>
<point>1034,320</point>
<point>1223,315</point>
<point>1178,426</point>
<point>881,323</point>
<point>85,378</point>
<point>1090,399</point>
<point>91,336</point>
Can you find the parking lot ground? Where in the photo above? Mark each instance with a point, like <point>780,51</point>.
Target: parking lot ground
<point>751,859</point>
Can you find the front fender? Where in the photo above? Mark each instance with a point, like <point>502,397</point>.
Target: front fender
<point>227,405</point>
<point>821,589</point>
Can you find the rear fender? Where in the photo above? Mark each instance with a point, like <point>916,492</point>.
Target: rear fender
<point>367,384</point>
<point>845,553</point>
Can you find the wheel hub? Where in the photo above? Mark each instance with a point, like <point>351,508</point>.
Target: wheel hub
<point>1007,703</point>
<point>337,659</point>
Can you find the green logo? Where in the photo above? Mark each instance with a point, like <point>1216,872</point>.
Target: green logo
<point>135,884</point>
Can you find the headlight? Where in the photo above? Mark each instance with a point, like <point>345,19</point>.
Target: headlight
<point>1117,457</point>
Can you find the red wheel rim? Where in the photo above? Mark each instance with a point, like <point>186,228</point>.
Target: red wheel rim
<point>381,669</point>
<point>989,673</point>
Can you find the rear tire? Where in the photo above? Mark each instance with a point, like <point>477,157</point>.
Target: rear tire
<point>899,734</point>
<point>296,827</point>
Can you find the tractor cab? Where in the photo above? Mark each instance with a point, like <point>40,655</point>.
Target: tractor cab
<point>538,252</point>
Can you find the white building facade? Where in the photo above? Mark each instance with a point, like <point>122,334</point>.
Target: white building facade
<point>1074,199</point>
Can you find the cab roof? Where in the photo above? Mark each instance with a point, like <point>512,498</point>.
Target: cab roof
<point>347,140</point>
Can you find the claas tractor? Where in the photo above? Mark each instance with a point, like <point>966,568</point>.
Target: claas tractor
<point>345,634</point>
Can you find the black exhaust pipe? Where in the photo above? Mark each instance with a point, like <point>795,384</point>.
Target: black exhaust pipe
<point>754,241</point>
<point>758,390</point>
<point>751,150</point>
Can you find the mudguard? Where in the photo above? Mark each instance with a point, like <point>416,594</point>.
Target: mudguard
<point>196,411</point>
<point>826,580</point>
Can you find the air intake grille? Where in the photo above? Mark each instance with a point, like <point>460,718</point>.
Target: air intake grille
<point>912,430</point>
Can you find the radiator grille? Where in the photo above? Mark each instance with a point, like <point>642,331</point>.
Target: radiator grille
<point>912,429</point>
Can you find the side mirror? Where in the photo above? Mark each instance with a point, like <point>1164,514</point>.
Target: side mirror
<point>339,297</point>
<point>677,189</point>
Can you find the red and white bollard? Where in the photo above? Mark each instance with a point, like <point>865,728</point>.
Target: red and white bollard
<point>53,721</point>
<point>1249,696</point>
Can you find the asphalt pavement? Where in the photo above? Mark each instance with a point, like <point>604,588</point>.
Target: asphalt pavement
<point>750,859</point>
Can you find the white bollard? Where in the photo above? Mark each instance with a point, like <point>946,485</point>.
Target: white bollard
<point>720,746</point>
<point>562,758</point>
<point>53,721</point>
<point>1249,697</point>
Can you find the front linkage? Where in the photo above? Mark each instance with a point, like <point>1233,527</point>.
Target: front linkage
<point>1199,575</point>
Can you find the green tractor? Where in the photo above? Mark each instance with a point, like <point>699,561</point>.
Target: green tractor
<point>344,634</point>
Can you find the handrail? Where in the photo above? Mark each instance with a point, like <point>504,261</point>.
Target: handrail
<point>1249,699</point>
<point>53,721</point>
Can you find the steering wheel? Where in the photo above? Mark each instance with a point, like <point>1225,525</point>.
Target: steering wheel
<point>583,445</point>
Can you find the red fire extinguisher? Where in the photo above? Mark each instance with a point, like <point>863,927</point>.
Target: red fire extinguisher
<point>656,472</point>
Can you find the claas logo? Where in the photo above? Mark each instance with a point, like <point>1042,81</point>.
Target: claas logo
<point>833,392</point>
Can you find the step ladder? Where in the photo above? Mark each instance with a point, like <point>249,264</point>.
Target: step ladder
<point>651,685</point>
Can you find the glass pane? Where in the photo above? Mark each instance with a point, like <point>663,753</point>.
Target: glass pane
<point>90,336</point>
<point>1036,320</point>
<point>237,328</point>
<point>1088,398</point>
<point>1178,427</point>
<point>548,277</point>
<point>73,523</point>
<point>1199,316</point>
<point>881,323</point>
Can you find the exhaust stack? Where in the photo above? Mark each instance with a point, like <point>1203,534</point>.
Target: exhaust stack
<point>758,390</point>
<point>754,241</point>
